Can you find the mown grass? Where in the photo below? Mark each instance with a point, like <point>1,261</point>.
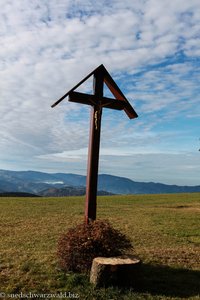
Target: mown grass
<point>164,230</point>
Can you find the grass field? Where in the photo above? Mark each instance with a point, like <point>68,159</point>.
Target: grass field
<point>165,230</point>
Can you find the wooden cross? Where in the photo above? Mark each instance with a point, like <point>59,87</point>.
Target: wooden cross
<point>97,102</point>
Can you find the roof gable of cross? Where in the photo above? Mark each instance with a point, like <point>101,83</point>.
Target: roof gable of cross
<point>119,103</point>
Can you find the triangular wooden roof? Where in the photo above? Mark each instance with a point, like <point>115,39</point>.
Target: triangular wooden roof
<point>113,87</point>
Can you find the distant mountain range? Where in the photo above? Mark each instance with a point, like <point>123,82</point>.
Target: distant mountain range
<point>60,184</point>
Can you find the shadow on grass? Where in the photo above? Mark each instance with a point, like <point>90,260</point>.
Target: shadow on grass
<point>166,281</point>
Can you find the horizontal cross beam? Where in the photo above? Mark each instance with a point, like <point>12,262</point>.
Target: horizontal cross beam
<point>93,100</point>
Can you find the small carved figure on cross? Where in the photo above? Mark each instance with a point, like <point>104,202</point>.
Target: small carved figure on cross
<point>96,117</point>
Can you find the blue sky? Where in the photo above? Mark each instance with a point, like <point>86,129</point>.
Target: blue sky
<point>152,50</point>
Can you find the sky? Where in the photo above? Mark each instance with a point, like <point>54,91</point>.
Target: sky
<point>151,48</point>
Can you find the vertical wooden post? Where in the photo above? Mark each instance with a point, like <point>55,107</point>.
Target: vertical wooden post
<point>93,150</point>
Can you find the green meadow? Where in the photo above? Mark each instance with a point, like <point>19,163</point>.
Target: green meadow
<point>164,229</point>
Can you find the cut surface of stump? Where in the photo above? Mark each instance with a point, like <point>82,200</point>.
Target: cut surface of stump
<point>120,271</point>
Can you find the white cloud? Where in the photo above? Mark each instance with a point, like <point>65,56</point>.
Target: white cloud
<point>150,47</point>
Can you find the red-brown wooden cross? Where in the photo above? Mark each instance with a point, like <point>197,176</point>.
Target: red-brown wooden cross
<point>97,102</point>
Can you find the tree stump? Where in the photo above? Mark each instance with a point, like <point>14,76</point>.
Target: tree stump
<point>120,271</point>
